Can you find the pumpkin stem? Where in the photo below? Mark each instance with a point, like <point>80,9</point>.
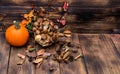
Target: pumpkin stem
<point>17,26</point>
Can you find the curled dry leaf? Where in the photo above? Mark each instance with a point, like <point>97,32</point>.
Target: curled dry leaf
<point>29,46</point>
<point>65,6</point>
<point>38,60</point>
<point>66,55</point>
<point>21,56</point>
<point>21,62</point>
<point>46,54</point>
<point>40,52</point>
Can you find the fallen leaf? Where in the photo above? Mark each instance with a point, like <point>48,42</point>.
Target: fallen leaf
<point>40,52</point>
<point>65,6</point>
<point>38,60</point>
<point>32,54</point>
<point>21,56</point>
<point>46,54</point>
<point>38,65</point>
<point>21,62</point>
<point>29,46</point>
<point>66,55</point>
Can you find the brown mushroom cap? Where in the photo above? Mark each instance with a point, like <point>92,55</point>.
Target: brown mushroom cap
<point>36,24</point>
<point>43,36</point>
<point>67,32</point>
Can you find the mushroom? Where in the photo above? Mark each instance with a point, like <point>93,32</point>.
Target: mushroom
<point>36,24</point>
<point>67,33</point>
<point>37,32</point>
<point>40,28</point>
<point>37,38</point>
<point>39,20</point>
<point>43,36</point>
<point>34,29</point>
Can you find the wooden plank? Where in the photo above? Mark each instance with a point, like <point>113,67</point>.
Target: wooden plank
<point>96,54</point>
<point>4,54</point>
<point>116,40</point>
<point>114,51</point>
<point>49,63</point>
<point>75,67</point>
<point>59,2</point>
<point>26,68</point>
<point>71,10</point>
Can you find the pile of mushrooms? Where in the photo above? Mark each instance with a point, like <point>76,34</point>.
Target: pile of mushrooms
<point>45,32</point>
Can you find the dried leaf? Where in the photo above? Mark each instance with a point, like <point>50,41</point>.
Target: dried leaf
<point>40,52</point>
<point>31,49</point>
<point>65,6</point>
<point>38,60</point>
<point>59,59</point>
<point>46,55</point>
<point>66,48</point>
<point>29,46</point>
<point>21,62</point>
<point>66,55</point>
<point>21,56</point>
<point>38,65</point>
<point>66,60</point>
<point>32,54</point>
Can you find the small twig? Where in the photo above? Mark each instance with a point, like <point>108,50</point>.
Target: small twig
<point>78,56</point>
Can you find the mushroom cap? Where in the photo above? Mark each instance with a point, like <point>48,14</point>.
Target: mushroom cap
<point>37,38</point>
<point>67,32</point>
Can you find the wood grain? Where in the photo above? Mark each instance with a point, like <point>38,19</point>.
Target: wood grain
<point>26,68</point>
<point>116,40</point>
<point>113,42</point>
<point>4,54</point>
<point>98,54</point>
<point>59,2</point>
<point>101,16</point>
<point>75,67</point>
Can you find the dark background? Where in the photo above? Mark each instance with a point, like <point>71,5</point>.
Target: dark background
<point>84,16</point>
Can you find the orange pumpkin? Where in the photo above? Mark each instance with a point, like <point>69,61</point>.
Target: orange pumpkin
<point>17,35</point>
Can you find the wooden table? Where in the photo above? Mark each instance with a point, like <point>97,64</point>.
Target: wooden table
<point>101,55</point>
